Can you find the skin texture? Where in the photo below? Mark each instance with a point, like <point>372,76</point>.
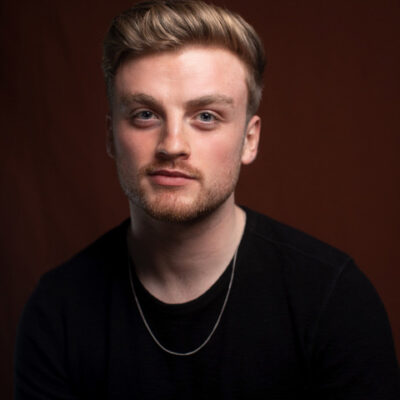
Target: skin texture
<point>179,133</point>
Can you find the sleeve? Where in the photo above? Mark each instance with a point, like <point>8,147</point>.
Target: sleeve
<point>40,368</point>
<point>353,354</point>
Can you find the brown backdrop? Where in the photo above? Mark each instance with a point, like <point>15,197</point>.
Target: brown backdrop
<point>329,152</point>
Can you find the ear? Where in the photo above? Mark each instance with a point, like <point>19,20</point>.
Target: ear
<point>110,137</point>
<point>251,140</point>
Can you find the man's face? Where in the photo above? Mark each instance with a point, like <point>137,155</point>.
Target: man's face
<point>178,131</point>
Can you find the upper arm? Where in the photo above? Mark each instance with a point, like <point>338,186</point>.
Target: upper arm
<point>353,355</point>
<point>41,370</point>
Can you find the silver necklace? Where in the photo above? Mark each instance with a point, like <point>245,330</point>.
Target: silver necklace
<point>189,353</point>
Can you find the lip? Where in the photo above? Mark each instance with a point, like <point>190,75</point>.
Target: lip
<point>172,173</point>
<point>170,177</point>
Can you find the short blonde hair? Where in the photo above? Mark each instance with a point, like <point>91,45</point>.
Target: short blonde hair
<point>164,25</point>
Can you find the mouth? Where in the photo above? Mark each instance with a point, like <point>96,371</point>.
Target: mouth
<point>172,173</point>
<point>170,177</point>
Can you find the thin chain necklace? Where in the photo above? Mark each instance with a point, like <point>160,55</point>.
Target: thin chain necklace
<point>189,353</point>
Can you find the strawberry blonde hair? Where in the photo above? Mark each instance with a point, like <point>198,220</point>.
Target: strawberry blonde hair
<point>166,25</point>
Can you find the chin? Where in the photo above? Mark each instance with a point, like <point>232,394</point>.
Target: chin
<point>178,210</point>
<point>179,213</point>
<point>173,206</point>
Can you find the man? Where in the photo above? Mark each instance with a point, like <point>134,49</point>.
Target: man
<point>195,297</point>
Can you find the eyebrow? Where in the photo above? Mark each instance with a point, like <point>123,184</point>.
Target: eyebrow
<point>210,99</point>
<point>203,101</point>
<point>142,98</point>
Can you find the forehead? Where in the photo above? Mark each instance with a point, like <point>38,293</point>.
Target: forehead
<point>183,75</point>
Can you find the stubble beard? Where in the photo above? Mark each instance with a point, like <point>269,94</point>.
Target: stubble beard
<point>168,204</point>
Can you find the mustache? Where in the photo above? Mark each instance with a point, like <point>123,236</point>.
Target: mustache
<point>186,169</point>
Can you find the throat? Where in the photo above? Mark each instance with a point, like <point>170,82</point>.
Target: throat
<point>178,290</point>
<point>181,267</point>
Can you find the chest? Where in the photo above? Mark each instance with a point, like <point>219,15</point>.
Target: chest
<point>252,354</point>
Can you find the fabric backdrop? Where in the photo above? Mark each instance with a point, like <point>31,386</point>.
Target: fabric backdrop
<point>329,157</point>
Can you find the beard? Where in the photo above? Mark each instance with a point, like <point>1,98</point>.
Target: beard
<point>177,204</point>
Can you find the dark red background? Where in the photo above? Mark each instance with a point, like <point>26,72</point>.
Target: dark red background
<point>329,159</point>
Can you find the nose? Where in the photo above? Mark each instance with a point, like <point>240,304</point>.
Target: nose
<point>173,142</point>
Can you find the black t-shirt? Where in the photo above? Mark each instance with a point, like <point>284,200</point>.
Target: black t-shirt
<point>301,322</point>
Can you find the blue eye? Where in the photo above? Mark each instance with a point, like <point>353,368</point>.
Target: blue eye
<point>144,114</point>
<point>144,118</point>
<point>206,117</point>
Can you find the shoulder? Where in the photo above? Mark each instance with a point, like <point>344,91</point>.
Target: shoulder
<point>86,277</point>
<point>302,261</point>
<point>331,303</point>
<point>96,260</point>
<point>78,290</point>
<point>292,242</point>
<point>63,323</point>
<point>306,269</point>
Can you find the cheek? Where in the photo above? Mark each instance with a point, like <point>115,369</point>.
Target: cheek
<point>220,155</point>
<point>133,147</point>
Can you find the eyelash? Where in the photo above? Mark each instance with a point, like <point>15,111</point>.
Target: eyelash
<point>136,114</point>
<point>138,118</point>
<point>209,114</point>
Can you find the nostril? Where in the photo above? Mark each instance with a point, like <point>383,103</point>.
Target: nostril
<point>162,154</point>
<point>172,146</point>
<point>165,154</point>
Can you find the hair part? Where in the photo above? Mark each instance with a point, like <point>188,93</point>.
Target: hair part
<point>165,25</point>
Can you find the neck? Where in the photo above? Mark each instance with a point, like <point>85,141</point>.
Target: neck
<point>178,262</point>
